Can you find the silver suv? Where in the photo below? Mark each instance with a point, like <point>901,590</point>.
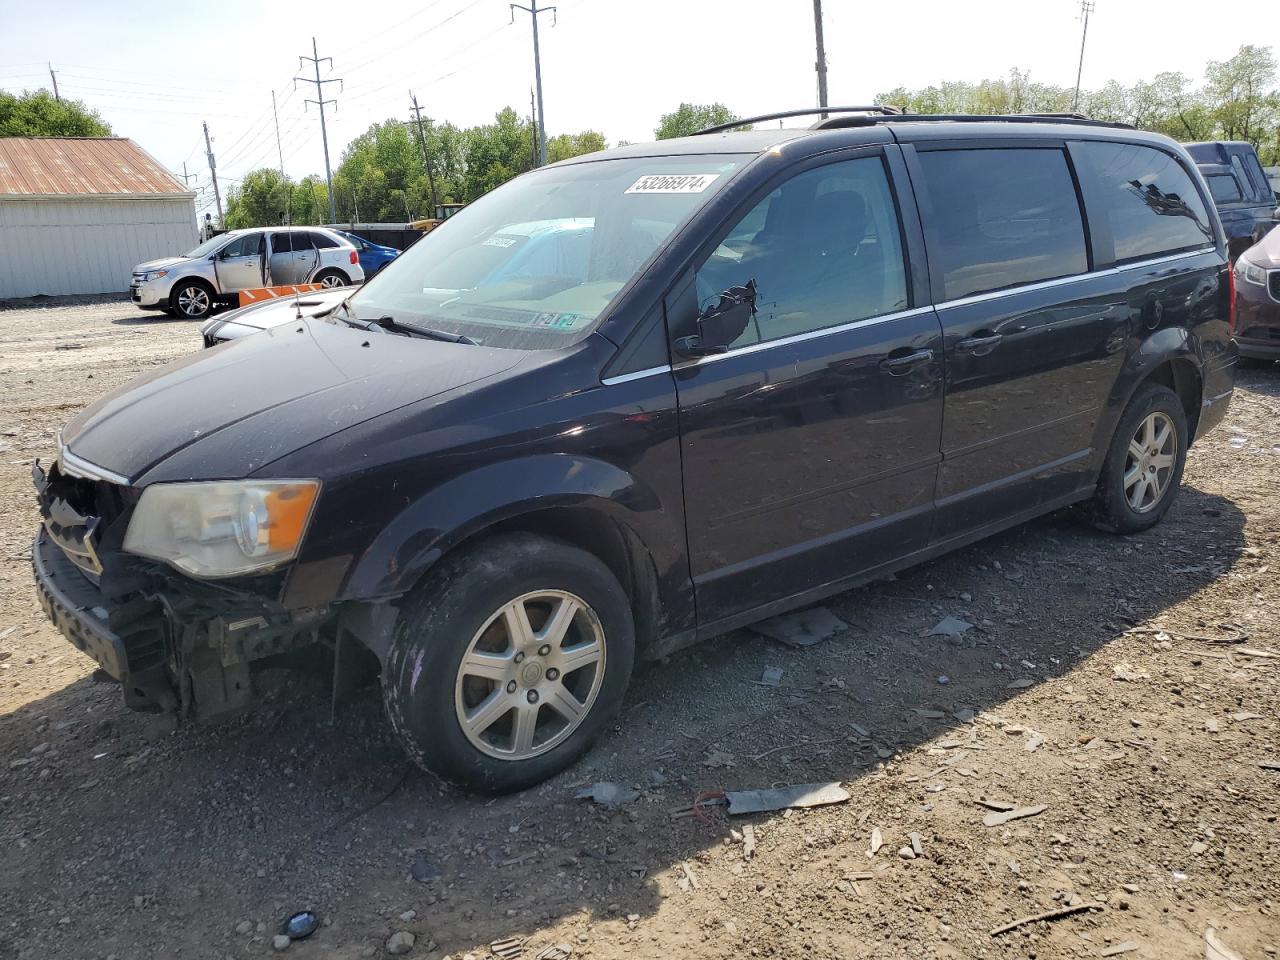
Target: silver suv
<point>190,285</point>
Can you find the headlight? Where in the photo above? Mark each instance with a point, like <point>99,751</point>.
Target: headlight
<point>224,528</point>
<point>154,275</point>
<point>1254,273</point>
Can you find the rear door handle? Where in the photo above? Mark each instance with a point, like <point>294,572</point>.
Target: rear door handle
<point>903,360</point>
<point>980,345</point>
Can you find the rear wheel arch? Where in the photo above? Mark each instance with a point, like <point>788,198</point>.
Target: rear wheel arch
<point>1181,376</point>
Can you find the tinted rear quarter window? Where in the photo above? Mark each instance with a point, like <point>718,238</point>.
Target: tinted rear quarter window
<point>322,241</point>
<point>1149,200</point>
<point>1002,218</point>
<point>1224,188</point>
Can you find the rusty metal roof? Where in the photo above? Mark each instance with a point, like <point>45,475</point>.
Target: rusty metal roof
<point>81,167</point>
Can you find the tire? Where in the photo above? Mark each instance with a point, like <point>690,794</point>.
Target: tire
<point>191,300</point>
<point>1118,508</point>
<point>465,610</point>
<point>332,278</point>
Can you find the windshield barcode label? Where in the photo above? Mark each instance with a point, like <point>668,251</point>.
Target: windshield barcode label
<point>673,183</point>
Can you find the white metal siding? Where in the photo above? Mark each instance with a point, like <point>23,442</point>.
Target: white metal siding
<point>87,246</point>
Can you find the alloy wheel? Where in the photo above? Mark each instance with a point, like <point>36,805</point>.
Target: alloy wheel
<point>1149,462</point>
<point>530,675</point>
<point>193,301</point>
<point>332,280</point>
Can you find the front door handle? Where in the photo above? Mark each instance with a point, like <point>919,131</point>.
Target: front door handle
<point>980,345</point>
<point>904,360</point>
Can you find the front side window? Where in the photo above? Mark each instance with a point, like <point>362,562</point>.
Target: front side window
<point>1149,199</point>
<point>534,263</point>
<point>1001,218</point>
<point>824,249</point>
<point>1224,188</point>
<point>243,246</point>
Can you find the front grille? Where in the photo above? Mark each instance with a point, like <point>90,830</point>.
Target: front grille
<point>77,512</point>
<point>1273,283</point>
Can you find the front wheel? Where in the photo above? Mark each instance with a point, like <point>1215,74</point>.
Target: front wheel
<point>508,662</point>
<point>191,300</point>
<point>1143,469</point>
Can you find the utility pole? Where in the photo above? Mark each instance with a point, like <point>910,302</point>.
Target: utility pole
<point>187,177</point>
<point>213,172</point>
<point>288,194</point>
<point>1086,8</point>
<point>821,64</point>
<point>533,12</point>
<point>53,75</point>
<point>316,59</point>
<point>533,119</point>
<point>426,160</point>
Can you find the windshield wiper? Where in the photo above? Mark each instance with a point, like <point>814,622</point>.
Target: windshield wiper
<point>391,324</point>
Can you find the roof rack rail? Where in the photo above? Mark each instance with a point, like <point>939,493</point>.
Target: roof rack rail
<point>884,109</point>
<point>1077,119</point>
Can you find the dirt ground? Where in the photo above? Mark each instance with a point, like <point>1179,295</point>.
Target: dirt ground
<point>1145,748</point>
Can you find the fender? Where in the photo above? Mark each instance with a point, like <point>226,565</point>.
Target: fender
<point>465,505</point>
<point>1169,343</point>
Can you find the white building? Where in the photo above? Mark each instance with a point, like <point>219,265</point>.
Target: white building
<point>77,213</point>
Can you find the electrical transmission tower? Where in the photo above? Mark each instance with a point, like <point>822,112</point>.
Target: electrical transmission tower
<point>320,101</point>
<point>1086,8</point>
<point>533,10</point>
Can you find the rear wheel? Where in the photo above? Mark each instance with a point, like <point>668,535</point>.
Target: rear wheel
<point>1143,469</point>
<point>508,662</point>
<point>191,300</point>
<point>332,278</point>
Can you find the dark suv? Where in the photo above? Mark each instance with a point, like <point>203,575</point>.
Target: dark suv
<point>1240,190</point>
<point>764,367</point>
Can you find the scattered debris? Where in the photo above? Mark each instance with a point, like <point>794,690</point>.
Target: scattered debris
<point>877,841</point>
<point>772,676</point>
<point>1242,717</point>
<point>1269,764</point>
<point>944,680</point>
<point>719,760</point>
<point>949,627</point>
<point>508,948</point>
<point>1001,805</point>
<point>557,951</point>
<point>1035,741</point>
<point>803,628</point>
<point>690,880</point>
<point>423,869</point>
<point>607,794</point>
<point>301,925</point>
<point>1047,915</point>
<point>997,819</point>
<point>1211,725</point>
<point>1198,848</point>
<point>78,346</point>
<point>1021,684</point>
<point>1215,949</point>
<point>748,842</point>
<point>400,942</point>
<point>929,714</point>
<point>916,846</point>
<point>906,853</point>
<point>1122,671</point>
<point>280,942</point>
<point>1252,652</point>
<point>800,795</point>
<point>1124,946</point>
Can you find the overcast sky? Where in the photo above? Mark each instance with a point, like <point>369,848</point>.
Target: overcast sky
<point>156,71</point>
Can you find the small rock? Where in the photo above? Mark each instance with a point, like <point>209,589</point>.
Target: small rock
<point>1198,848</point>
<point>944,680</point>
<point>401,942</point>
<point>408,916</point>
<point>244,927</point>
<point>280,942</point>
<point>916,846</point>
<point>906,853</point>
<point>1211,725</point>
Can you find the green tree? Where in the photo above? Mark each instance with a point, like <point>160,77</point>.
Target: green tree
<point>1240,94</point>
<point>261,199</point>
<point>689,118</point>
<point>574,145</point>
<point>495,153</point>
<point>37,113</point>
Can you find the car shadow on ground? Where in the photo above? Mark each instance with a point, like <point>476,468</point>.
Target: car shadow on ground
<point>279,808</point>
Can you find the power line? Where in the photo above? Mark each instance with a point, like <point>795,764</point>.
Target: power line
<point>320,101</point>
<point>533,12</point>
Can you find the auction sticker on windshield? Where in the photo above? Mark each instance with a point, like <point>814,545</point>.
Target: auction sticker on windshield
<point>673,183</point>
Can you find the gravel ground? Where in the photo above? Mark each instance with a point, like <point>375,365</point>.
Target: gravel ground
<point>1092,683</point>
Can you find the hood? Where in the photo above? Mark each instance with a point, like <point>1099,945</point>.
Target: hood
<point>272,313</point>
<point>160,264</point>
<point>227,412</point>
<point>1266,252</point>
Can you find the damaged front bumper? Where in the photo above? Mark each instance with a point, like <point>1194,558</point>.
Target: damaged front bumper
<point>175,644</point>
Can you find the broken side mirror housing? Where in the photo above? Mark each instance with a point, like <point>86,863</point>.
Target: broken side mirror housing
<point>721,323</point>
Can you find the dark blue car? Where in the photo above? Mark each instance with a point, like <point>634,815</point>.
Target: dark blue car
<point>373,256</point>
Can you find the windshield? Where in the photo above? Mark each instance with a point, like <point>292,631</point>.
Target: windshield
<point>533,264</point>
<point>210,245</point>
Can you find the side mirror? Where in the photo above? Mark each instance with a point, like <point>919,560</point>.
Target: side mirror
<point>1275,214</point>
<point>721,323</point>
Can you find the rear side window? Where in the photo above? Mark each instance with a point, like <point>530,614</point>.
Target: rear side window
<point>1224,188</point>
<point>1149,200</point>
<point>1002,218</point>
<point>1260,180</point>
<point>322,241</point>
<point>281,242</point>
